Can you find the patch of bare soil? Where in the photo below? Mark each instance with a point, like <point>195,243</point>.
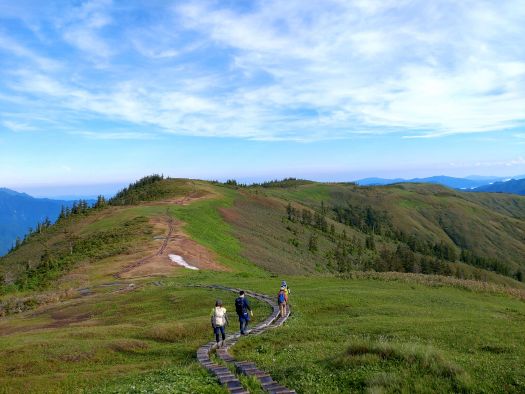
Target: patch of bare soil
<point>153,266</point>
<point>177,243</point>
<point>184,200</point>
<point>230,214</point>
<point>269,202</point>
<point>61,317</point>
<point>174,241</point>
<point>65,319</point>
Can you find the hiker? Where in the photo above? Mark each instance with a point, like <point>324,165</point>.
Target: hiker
<point>282,300</point>
<point>242,307</point>
<point>285,285</point>
<point>219,320</point>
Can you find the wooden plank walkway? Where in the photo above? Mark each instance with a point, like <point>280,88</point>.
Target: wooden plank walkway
<point>224,375</point>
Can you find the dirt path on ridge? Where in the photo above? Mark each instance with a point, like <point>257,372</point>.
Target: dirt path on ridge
<point>175,242</point>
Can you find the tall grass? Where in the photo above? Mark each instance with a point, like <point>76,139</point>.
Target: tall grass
<point>438,281</point>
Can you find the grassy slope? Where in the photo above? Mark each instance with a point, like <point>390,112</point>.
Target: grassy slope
<point>491,225</point>
<point>110,337</point>
<point>474,335</point>
<point>83,343</point>
<point>346,335</point>
<point>80,227</point>
<point>361,334</point>
<point>258,218</point>
<point>268,240</point>
<point>112,219</point>
<point>205,224</point>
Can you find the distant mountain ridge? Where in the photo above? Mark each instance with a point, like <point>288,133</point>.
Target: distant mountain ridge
<point>470,182</point>
<point>514,186</point>
<point>19,211</point>
<point>295,226</point>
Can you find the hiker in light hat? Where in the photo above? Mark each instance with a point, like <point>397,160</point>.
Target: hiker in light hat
<point>282,300</point>
<point>219,321</point>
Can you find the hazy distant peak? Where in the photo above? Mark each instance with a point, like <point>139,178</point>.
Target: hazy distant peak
<point>13,193</point>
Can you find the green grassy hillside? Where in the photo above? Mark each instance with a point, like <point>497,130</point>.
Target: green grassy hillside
<point>365,335</point>
<point>90,306</point>
<point>429,219</point>
<point>404,227</point>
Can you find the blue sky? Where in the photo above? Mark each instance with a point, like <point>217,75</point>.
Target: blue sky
<point>103,92</point>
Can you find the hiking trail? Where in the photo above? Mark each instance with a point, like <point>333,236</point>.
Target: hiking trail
<point>227,378</point>
<point>171,227</point>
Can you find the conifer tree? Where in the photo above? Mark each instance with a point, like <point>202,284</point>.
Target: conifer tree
<point>62,214</point>
<point>370,243</point>
<point>312,243</point>
<point>47,222</point>
<point>101,202</point>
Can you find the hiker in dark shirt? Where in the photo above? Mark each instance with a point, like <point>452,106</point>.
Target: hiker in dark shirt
<point>282,300</point>
<point>244,311</point>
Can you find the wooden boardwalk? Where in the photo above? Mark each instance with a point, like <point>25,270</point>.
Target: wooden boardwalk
<point>224,374</point>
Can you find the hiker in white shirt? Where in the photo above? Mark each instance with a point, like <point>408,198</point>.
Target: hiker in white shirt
<point>219,321</point>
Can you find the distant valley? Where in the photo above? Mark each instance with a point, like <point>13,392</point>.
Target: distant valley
<point>19,212</point>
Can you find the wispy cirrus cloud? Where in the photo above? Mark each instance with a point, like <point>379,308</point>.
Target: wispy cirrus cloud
<point>17,126</point>
<point>119,135</point>
<point>400,65</point>
<point>278,70</point>
<point>12,48</point>
<point>83,25</point>
<point>514,162</point>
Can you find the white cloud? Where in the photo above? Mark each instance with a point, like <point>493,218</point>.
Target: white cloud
<point>292,70</point>
<point>88,41</point>
<point>83,25</point>
<point>517,161</point>
<point>17,126</point>
<point>12,47</point>
<point>123,135</point>
<point>407,71</point>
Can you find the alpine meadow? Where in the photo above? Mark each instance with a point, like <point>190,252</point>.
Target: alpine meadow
<point>375,307</point>
<point>262,197</point>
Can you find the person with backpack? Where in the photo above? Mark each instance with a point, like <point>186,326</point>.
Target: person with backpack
<point>219,321</point>
<point>244,311</point>
<point>282,300</point>
<point>286,289</point>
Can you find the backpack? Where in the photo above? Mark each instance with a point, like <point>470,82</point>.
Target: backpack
<point>239,305</point>
<point>219,316</point>
<point>281,298</point>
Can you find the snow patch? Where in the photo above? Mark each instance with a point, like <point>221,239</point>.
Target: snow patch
<point>180,261</point>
